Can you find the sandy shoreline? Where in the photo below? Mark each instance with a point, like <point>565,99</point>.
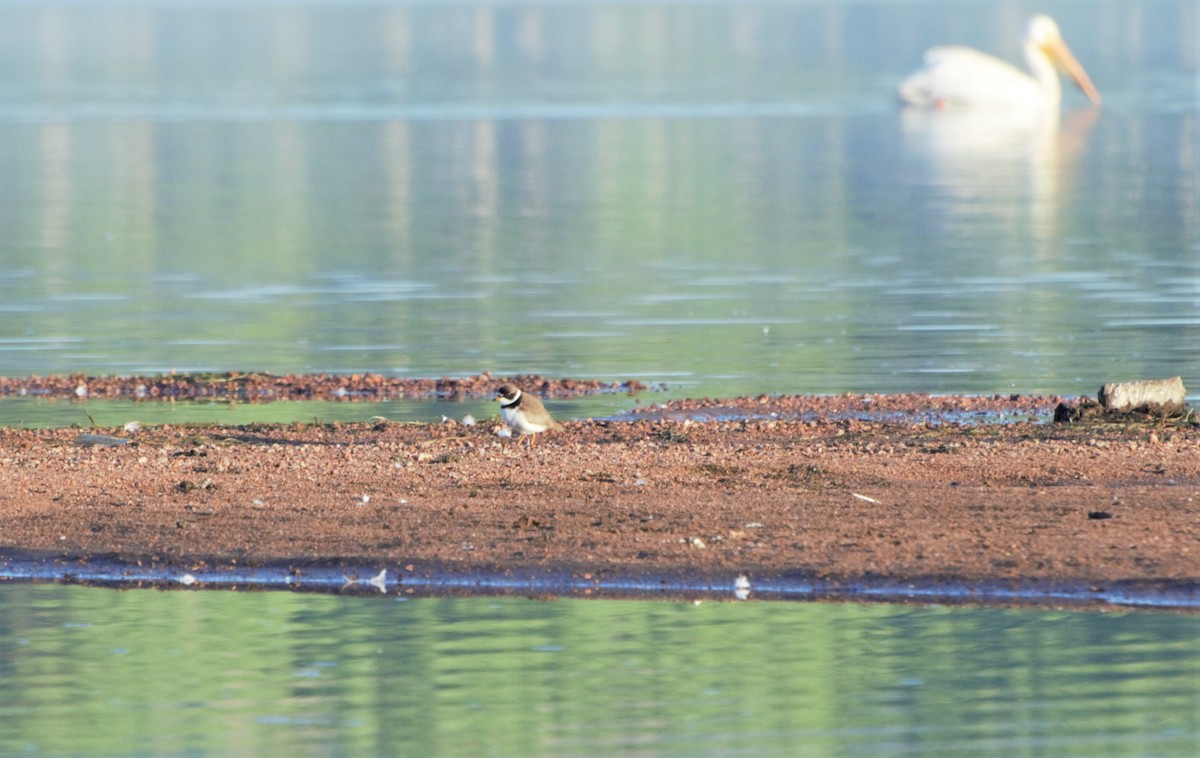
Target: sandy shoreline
<point>814,493</point>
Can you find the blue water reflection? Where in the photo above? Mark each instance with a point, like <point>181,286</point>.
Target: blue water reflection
<point>718,195</point>
<point>90,671</point>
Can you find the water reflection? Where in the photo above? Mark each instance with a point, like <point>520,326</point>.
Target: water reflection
<point>96,672</point>
<point>1017,167</point>
<point>718,193</point>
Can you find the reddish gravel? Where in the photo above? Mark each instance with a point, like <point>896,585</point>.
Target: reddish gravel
<point>259,387</point>
<point>811,490</point>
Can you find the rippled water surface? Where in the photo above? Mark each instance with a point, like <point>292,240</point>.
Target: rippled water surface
<point>141,672</point>
<point>718,195</point>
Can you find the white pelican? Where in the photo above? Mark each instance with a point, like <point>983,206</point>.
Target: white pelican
<point>959,77</point>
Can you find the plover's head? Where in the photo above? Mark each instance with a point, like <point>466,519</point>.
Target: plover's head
<point>507,393</point>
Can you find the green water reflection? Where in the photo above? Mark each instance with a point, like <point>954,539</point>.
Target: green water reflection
<point>41,413</point>
<point>99,672</point>
<point>718,195</point>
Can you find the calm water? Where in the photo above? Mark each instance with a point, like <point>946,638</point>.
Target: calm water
<point>718,195</point>
<point>99,672</point>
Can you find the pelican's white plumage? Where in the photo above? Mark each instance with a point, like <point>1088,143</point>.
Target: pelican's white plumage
<point>960,77</point>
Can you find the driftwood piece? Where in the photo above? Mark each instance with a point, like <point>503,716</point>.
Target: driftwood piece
<point>1161,397</point>
<point>1124,400</point>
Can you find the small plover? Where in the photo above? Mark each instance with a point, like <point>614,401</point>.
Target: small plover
<point>523,412</point>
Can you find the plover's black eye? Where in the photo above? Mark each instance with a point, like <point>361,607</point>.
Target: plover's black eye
<point>507,392</point>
